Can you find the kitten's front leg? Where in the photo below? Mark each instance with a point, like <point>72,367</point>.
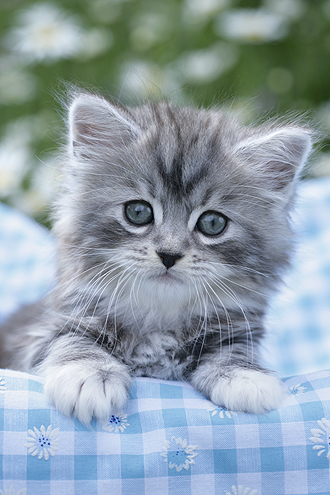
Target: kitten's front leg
<point>237,385</point>
<point>83,380</point>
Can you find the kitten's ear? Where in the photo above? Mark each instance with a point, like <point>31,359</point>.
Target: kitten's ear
<point>278,156</point>
<point>94,122</point>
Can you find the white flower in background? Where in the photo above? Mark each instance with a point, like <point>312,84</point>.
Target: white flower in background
<point>321,165</point>
<point>16,84</point>
<point>43,187</point>
<point>42,443</point>
<point>323,115</point>
<point>149,29</point>
<point>292,9</point>
<point>252,25</point>
<point>16,156</point>
<point>321,437</point>
<point>326,8</point>
<point>95,42</point>
<point>15,159</point>
<point>179,454</point>
<point>44,32</point>
<point>32,127</point>
<point>240,490</point>
<point>203,66</point>
<point>197,11</point>
<point>141,79</point>
<point>12,491</point>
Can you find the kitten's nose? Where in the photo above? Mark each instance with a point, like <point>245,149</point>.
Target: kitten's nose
<point>169,259</point>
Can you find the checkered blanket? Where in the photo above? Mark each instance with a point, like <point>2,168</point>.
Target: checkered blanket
<point>27,268</point>
<point>170,440</point>
<point>299,318</point>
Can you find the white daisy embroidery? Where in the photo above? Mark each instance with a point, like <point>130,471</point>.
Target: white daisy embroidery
<point>179,454</point>
<point>221,411</point>
<point>42,443</point>
<point>3,384</point>
<point>297,389</point>
<point>11,491</point>
<point>116,424</point>
<point>321,437</point>
<point>240,490</point>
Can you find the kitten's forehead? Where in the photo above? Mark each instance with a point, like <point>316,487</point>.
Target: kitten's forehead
<point>186,153</point>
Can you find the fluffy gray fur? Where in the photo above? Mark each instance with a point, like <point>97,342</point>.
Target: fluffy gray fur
<point>162,299</point>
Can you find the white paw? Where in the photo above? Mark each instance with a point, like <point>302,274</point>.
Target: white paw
<point>86,391</point>
<point>249,391</point>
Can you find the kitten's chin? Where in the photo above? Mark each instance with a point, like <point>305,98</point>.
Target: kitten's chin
<point>167,279</point>
<point>167,288</point>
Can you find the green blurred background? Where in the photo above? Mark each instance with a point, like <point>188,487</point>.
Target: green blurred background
<point>269,56</point>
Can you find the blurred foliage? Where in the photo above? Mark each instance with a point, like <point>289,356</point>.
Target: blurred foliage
<point>262,56</point>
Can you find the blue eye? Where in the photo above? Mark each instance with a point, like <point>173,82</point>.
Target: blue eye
<point>211,223</point>
<point>139,212</point>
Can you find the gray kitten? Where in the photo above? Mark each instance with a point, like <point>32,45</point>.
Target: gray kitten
<point>173,231</point>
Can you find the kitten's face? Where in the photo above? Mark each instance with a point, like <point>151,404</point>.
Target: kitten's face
<point>171,209</point>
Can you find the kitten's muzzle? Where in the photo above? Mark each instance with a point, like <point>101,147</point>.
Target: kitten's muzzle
<point>169,259</point>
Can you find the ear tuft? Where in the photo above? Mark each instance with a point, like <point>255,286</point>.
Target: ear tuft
<point>94,122</point>
<point>279,155</point>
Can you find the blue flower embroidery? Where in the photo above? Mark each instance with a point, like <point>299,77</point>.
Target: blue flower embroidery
<point>240,490</point>
<point>116,423</point>
<point>218,410</point>
<point>321,437</point>
<point>179,454</point>
<point>11,491</point>
<point>297,389</point>
<point>42,443</point>
<point>3,384</point>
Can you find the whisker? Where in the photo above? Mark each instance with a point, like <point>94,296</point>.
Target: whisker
<point>222,286</point>
<point>220,264</point>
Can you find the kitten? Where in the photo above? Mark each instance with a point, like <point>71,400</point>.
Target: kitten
<point>173,231</point>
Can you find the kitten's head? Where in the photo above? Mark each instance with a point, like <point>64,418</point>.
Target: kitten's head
<point>175,208</point>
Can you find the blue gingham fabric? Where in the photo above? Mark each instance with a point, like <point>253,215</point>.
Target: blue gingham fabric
<point>27,261</point>
<point>170,440</point>
<point>299,318</point>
